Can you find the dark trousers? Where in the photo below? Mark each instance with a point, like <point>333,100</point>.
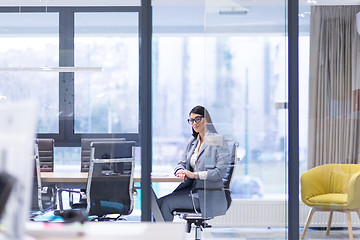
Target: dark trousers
<point>176,200</point>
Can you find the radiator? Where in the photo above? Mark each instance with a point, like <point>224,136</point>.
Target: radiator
<point>273,213</point>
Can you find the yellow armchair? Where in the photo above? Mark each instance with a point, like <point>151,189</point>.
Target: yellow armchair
<point>332,187</point>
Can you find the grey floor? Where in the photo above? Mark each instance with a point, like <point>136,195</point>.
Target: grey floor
<point>269,233</point>
<point>251,233</point>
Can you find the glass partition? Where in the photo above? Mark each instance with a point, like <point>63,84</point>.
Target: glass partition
<point>245,91</point>
<point>177,80</point>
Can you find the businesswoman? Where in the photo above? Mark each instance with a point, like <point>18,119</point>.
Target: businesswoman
<point>203,164</point>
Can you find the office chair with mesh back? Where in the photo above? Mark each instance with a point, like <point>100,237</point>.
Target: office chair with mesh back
<point>110,182</point>
<point>193,216</point>
<point>43,197</point>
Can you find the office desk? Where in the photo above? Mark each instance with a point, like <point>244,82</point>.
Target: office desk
<point>78,180</point>
<point>105,230</point>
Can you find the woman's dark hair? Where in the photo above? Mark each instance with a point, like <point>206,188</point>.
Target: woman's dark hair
<point>203,112</point>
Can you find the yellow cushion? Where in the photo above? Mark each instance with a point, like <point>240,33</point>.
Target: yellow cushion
<point>329,200</point>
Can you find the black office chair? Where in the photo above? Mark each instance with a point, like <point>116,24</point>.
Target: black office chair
<point>193,216</point>
<point>85,165</point>
<point>110,182</point>
<point>43,197</point>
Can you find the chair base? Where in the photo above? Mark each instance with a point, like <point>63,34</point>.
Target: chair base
<point>197,220</point>
<point>106,219</point>
<point>347,211</point>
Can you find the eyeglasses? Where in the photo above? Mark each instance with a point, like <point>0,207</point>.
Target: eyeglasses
<point>196,119</point>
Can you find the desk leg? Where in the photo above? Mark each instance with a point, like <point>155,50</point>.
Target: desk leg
<point>158,217</point>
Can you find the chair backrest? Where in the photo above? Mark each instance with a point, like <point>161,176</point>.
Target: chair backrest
<point>328,179</point>
<point>36,204</point>
<point>42,198</point>
<point>110,181</point>
<point>46,154</point>
<point>229,172</point>
<point>86,149</point>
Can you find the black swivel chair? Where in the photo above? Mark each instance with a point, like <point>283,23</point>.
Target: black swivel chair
<point>43,197</point>
<point>85,163</point>
<point>193,216</point>
<point>110,182</point>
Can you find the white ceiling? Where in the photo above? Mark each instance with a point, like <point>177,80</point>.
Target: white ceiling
<point>169,2</point>
<point>192,15</point>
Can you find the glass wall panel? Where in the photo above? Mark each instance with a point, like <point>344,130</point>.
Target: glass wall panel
<point>178,82</point>
<point>304,56</point>
<point>245,91</point>
<point>28,42</point>
<point>107,101</point>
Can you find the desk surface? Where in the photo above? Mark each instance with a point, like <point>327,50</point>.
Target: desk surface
<point>81,177</point>
<point>106,230</point>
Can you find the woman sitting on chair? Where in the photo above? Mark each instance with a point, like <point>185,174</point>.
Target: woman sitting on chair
<point>203,164</point>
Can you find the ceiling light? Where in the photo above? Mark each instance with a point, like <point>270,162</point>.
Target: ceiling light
<point>234,11</point>
<point>51,69</point>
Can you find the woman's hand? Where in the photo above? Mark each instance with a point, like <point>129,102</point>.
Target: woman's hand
<point>185,173</point>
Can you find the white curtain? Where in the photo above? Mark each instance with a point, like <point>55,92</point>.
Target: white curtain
<point>333,87</point>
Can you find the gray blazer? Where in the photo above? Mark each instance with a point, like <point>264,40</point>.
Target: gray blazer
<point>214,160</point>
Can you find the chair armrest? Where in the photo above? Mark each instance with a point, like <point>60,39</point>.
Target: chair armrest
<point>312,184</point>
<point>209,189</point>
<point>60,190</point>
<point>354,191</point>
<point>192,191</point>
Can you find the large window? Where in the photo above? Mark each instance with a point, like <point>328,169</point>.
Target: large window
<point>29,40</point>
<point>107,101</point>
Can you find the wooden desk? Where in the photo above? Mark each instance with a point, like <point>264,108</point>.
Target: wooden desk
<point>75,178</point>
<point>78,180</point>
